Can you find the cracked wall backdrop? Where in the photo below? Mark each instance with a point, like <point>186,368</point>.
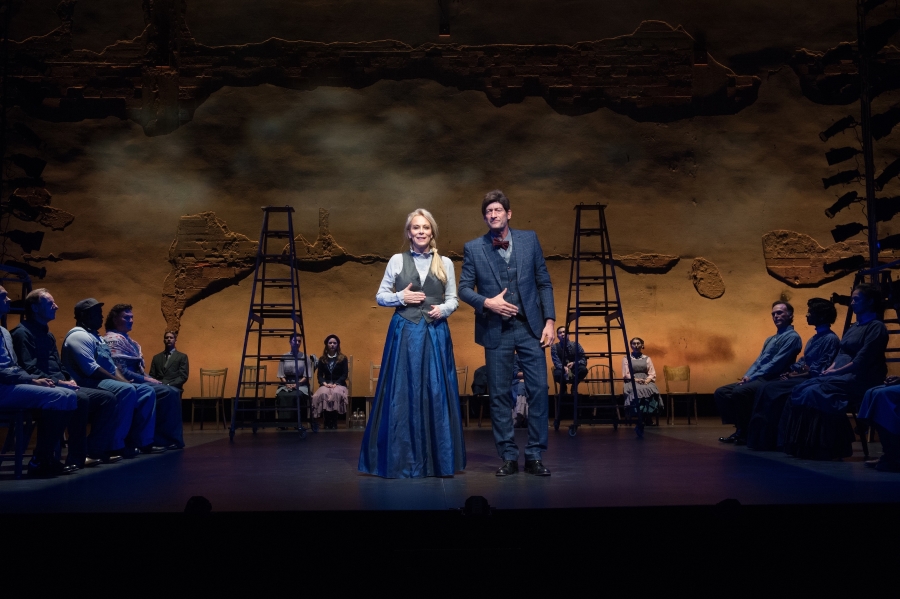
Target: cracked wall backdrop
<point>705,187</point>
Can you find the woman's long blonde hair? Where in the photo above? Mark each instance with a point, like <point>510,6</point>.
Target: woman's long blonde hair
<point>437,265</point>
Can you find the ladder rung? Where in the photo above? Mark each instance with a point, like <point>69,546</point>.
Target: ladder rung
<point>276,233</point>
<point>276,280</point>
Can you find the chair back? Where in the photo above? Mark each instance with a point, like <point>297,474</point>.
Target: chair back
<point>349,376</point>
<point>462,380</point>
<point>251,380</point>
<point>677,374</point>
<point>599,380</point>
<point>374,372</point>
<point>212,382</point>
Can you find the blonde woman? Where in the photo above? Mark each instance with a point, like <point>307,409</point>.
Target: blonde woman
<point>415,429</point>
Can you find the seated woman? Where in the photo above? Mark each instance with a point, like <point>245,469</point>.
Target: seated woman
<point>332,370</point>
<point>817,426</point>
<point>763,430</point>
<point>293,373</point>
<point>644,378</point>
<point>881,408</point>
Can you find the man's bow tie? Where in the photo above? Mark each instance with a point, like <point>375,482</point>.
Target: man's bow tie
<point>497,243</point>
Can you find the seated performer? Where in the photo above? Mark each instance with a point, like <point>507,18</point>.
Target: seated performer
<point>87,358</point>
<point>817,426</point>
<point>569,361</point>
<point>36,349</point>
<point>332,371</point>
<point>881,408</point>
<point>291,383</point>
<point>170,366</point>
<point>127,355</point>
<point>644,378</point>
<point>520,412</point>
<point>20,390</point>
<point>771,399</point>
<point>735,401</point>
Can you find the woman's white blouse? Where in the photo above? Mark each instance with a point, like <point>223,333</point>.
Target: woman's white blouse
<point>386,295</point>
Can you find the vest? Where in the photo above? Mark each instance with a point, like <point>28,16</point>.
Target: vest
<point>509,279</point>
<point>432,288</point>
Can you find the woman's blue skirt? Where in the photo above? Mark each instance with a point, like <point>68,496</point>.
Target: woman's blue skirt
<point>415,428</point>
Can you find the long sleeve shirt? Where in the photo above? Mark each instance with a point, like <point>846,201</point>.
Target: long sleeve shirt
<point>387,296</point>
<point>820,352</point>
<point>10,372</point>
<point>778,353</point>
<point>36,350</point>
<point>651,371</point>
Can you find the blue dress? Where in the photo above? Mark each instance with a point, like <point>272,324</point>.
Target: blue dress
<point>415,428</point>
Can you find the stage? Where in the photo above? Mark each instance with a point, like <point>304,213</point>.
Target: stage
<point>275,471</point>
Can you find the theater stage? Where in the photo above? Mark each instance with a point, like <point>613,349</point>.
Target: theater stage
<point>600,467</point>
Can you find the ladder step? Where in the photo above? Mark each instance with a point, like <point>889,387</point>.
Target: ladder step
<point>278,208</point>
<point>276,280</point>
<point>278,234</point>
<point>274,257</point>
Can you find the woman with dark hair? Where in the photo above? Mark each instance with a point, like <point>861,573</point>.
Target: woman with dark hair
<point>331,396</point>
<point>644,378</point>
<point>817,426</point>
<point>763,431</point>
<point>415,429</point>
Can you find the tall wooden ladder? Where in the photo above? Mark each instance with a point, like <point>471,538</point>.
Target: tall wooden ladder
<point>594,318</point>
<point>275,315</point>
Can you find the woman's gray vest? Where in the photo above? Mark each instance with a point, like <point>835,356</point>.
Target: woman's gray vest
<point>432,288</point>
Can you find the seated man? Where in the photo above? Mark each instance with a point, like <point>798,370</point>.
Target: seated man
<point>170,366</point>
<point>735,401</point>
<point>19,390</point>
<point>569,361</point>
<point>86,357</point>
<point>520,412</point>
<point>36,349</point>
<point>127,355</point>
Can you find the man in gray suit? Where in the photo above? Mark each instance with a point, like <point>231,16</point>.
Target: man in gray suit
<point>514,314</point>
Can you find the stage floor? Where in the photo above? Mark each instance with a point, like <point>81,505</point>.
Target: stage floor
<point>600,467</point>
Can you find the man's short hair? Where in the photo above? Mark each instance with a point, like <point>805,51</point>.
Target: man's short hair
<point>173,333</point>
<point>821,311</point>
<point>790,308</point>
<point>32,300</point>
<point>494,196</point>
<point>114,314</point>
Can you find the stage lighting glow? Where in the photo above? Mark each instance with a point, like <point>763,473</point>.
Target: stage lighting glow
<point>844,232</point>
<point>845,123</point>
<point>842,202</point>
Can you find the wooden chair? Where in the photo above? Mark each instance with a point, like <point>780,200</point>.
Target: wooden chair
<point>374,372</point>
<point>212,388</point>
<point>599,384</point>
<point>678,374</point>
<point>463,371</point>
<point>18,422</point>
<point>251,387</point>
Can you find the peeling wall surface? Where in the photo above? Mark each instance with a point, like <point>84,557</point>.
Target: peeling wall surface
<point>143,137</point>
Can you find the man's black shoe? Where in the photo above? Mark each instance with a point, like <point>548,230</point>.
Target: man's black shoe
<point>153,449</point>
<point>48,468</point>
<point>731,439</point>
<point>536,467</point>
<point>508,467</point>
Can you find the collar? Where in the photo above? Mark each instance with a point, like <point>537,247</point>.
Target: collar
<point>786,329</point>
<point>36,327</point>
<point>415,253</point>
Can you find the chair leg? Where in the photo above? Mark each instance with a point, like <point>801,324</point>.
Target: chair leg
<point>20,442</point>
<point>193,407</point>
<point>696,418</point>
<point>222,401</point>
<point>669,408</point>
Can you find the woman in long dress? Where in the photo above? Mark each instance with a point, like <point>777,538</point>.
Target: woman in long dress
<point>817,426</point>
<point>415,429</point>
<point>645,379</point>
<point>331,398</point>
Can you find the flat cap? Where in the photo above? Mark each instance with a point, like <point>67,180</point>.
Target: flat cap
<point>86,304</point>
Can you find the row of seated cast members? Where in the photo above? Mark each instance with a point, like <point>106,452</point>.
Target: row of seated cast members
<point>97,381</point>
<point>800,407</point>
